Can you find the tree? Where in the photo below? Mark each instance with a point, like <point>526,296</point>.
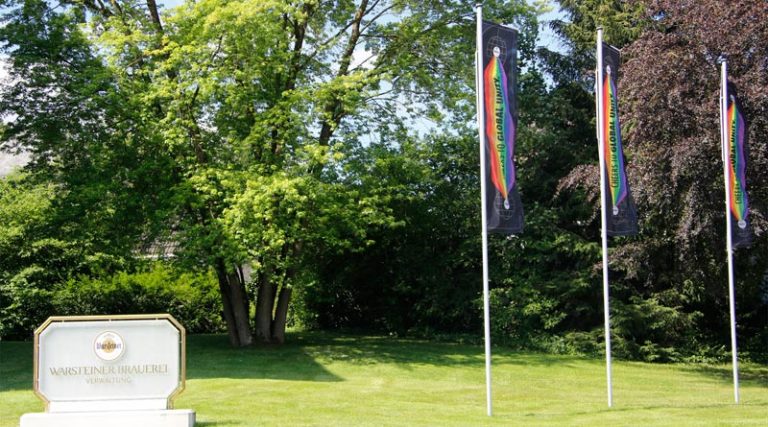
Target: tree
<point>670,296</point>
<point>621,21</point>
<point>225,124</point>
<point>34,259</point>
<point>424,277</point>
<point>23,255</point>
<point>671,116</point>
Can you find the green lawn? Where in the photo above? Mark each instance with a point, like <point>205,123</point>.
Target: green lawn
<point>329,379</point>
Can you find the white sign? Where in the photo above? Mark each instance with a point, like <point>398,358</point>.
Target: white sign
<point>101,363</point>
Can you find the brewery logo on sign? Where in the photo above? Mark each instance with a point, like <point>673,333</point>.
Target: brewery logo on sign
<point>109,346</point>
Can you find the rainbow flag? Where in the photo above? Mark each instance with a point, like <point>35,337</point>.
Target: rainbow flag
<point>621,218</point>
<point>612,150</point>
<point>499,65</point>
<point>499,127</point>
<point>736,148</point>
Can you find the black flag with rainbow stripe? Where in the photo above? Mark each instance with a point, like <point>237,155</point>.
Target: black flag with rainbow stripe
<point>737,151</point>
<point>621,215</point>
<point>499,61</point>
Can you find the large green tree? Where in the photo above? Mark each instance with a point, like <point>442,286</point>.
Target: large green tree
<point>425,277</point>
<point>225,125</point>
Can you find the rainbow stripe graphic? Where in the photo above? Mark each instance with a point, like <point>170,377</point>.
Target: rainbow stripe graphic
<point>612,149</point>
<point>499,128</point>
<point>735,128</point>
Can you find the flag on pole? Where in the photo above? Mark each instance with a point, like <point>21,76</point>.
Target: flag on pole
<point>504,209</point>
<point>737,151</point>
<point>733,144</point>
<point>621,217</point>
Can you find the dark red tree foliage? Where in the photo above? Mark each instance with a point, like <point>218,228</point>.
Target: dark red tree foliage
<point>669,92</point>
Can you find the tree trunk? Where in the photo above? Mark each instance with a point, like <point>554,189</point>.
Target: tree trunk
<point>226,302</point>
<point>265,302</point>
<point>281,315</point>
<point>241,312</point>
<point>235,304</point>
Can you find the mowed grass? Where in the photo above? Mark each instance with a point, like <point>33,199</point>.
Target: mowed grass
<point>324,379</point>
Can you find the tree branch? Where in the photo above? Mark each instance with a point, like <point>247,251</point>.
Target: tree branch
<point>333,109</point>
<point>152,6</point>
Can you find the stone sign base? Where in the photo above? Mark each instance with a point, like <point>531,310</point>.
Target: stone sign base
<point>160,418</point>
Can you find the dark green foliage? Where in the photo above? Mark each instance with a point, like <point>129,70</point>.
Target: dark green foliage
<point>42,276</point>
<point>653,329</point>
<point>24,305</point>
<point>424,277</point>
<point>422,274</point>
<point>34,260</point>
<point>26,300</point>
<point>544,281</point>
<point>192,298</point>
<point>622,21</point>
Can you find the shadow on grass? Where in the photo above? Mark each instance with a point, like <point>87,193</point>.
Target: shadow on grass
<point>214,423</point>
<point>748,375</point>
<point>301,358</point>
<point>208,356</point>
<point>369,350</point>
<point>15,366</point>
<point>211,356</point>
<point>305,355</point>
<point>639,409</point>
<point>326,347</point>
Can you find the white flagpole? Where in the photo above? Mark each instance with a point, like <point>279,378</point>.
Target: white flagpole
<point>601,144</point>
<point>729,242</point>
<point>484,232</point>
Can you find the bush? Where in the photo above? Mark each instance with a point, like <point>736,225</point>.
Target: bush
<point>193,299</point>
<point>653,329</point>
<point>24,304</point>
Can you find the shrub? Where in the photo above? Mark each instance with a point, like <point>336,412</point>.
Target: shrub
<point>24,304</point>
<point>193,299</point>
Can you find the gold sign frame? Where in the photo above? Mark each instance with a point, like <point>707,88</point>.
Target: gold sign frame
<point>106,318</point>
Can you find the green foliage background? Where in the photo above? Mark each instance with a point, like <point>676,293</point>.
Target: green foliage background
<point>217,130</point>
